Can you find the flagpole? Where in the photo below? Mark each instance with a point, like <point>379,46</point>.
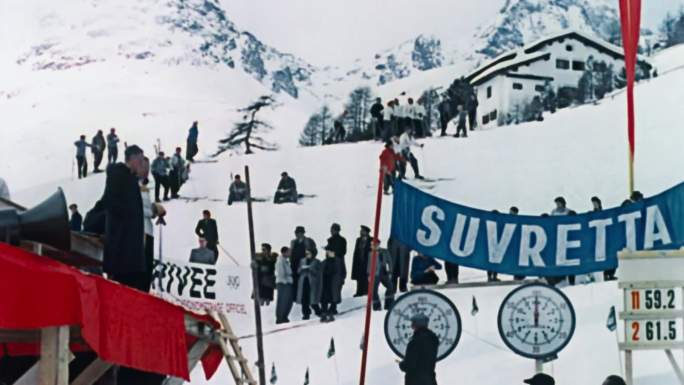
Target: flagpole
<point>371,282</point>
<point>617,339</point>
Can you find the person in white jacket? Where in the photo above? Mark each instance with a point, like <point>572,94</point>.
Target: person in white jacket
<point>284,286</point>
<point>406,141</point>
<point>4,190</point>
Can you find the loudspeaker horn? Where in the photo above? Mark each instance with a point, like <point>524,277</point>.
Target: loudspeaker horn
<point>47,223</point>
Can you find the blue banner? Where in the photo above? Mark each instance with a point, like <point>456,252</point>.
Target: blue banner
<point>533,245</point>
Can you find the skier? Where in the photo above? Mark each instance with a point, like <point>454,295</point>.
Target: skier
<point>191,148</point>
<point>265,262</point>
<point>423,270</point>
<point>359,271</point>
<point>286,192</point>
<point>82,163</point>
<point>383,274</point>
<point>237,192</point>
<point>421,353</point>
<point>176,174</point>
<point>472,104</point>
<point>401,259</point>
<point>4,190</point>
<point>406,141</point>
<point>540,379</point>
<point>298,248</point>
<point>338,246</point>
<point>461,122</point>
<point>112,146</point>
<point>207,229</point>
<point>376,112</point>
<point>332,278</point>
<point>444,115</point>
<point>98,147</point>
<point>160,172</point>
<point>76,221</point>
<point>561,208</point>
<point>309,285</point>
<point>284,286</point>
<point>388,160</point>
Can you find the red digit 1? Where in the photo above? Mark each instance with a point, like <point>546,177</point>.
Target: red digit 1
<point>635,300</point>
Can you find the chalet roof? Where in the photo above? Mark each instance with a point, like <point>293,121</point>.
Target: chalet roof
<point>530,53</point>
<point>528,76</point>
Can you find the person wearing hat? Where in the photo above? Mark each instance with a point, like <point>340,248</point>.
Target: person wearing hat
<point>76,220</point>
<point>176,175</point>
<point>540,379</point>
<point>309,285</point>
<point>614,380</point>
<point>359,272</point>
<point>383,274</point>
<point>338,245</point>
<point>124,257</point>
<point>561,208</point>
<point>286,192</point>
<point>298,248</point>
<point>266,261</point>
<point>332,278</point>
<point>421,353</point>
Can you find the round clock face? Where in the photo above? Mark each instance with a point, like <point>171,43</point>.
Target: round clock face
<point>536,321</point>
<point>445,321</point>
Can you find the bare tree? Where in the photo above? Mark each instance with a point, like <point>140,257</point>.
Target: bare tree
<point>247,131</point>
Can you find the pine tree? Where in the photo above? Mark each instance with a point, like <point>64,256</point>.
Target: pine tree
<point>357,111</point>
<point>311,135</point>
<point>673,29</point>
<point>326,119</point>
<point>246,132</point>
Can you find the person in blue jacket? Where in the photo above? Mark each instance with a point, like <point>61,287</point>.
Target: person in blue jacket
<point>423,270</point>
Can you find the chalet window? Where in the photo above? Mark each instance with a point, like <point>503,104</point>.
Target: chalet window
<point>562,64</point>
<point>577,65</point>
<point>492,115</point>
<point>539,88</point>
<point>568,48</point>
<point>489,92</point>
<point>485,119</point>
<point>517,86</point>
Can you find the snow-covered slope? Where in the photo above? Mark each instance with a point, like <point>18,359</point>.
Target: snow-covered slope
<point>577,152</point>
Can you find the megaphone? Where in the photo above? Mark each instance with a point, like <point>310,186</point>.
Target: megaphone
<point>46,223</point>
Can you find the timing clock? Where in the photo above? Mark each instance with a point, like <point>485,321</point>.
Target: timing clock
<point>445,321</point>
<point>536,321</point>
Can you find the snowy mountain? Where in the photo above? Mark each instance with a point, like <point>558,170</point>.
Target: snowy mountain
<point>172,32</point>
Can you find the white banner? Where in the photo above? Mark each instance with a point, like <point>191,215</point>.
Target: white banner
<point>201,287</point>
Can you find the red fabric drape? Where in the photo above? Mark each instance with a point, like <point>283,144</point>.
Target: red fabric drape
<point>630,21</point>
<point>122,325</point>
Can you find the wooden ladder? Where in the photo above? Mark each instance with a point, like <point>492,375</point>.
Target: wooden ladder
<point>233,353</point>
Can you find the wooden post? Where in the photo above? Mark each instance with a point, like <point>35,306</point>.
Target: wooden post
<point>629,378</point>
<point>675,367</point>
<point>255,284</point>
<point>92,373</point>
<point>53,366</point>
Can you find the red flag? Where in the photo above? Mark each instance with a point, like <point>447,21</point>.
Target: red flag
<point>630,20</point>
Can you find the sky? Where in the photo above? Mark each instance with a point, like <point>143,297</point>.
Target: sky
<point>326,32</point>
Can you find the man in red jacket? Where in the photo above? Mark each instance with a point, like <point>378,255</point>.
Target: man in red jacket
<point>388,162</point>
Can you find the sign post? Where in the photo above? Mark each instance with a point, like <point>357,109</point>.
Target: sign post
<point>653,311</point>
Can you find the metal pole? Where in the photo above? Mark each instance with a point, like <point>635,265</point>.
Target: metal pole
<point>538,366</point>
<point>371,282</point>
<point>255,285</point>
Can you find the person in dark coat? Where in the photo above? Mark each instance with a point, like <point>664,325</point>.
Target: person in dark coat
<point>237,192</point>
<point>461,122</point>
<point>614,380</point>
<point>401,258</point>
<point>332,279</point>
<point>472,104</point>
<point>339,133</point>
<point>540,379</point>
<point>423,270</point>
<point>376,112</point>
<point>298,247</point>
<point>309,285</point>
<point>112,146</point>
<point>207,229</point>
<point>286,192</point>
<point>339,248</point>
<point>124,254</point>
<point>98,145</point>
<point>444,115</point>
<point>202,254</point>
<point>383,275</point>
<point>191,149</point>
<point>266,261</point>
<point>362,251</point>
<point>76,221</point>
<point>177,165</point>
<point>421,354</point>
